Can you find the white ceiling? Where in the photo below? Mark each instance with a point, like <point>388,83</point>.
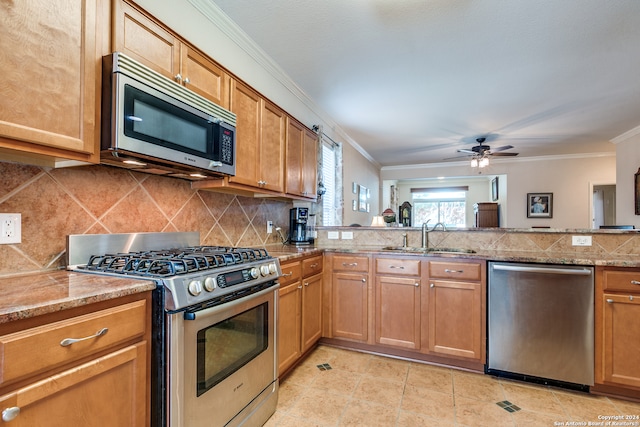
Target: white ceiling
<point>412,81</point>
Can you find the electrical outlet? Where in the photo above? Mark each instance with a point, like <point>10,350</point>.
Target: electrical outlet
<point>11,228</point>
<point>333,235</point>
<point>347,235</point>
<point>269,227</point>
<point>581,240</point>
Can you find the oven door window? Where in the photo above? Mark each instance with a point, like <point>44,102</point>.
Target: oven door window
<point>225,347</point>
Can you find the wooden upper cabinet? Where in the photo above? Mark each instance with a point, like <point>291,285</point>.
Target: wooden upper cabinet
<point>143,39</point>
<point>246,103</point>
<point>271,162</point>
<point>204,77</point>
<point>301,160</point>
<point>50,76</point>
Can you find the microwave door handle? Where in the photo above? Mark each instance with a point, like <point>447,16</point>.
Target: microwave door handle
<point>215,164</point>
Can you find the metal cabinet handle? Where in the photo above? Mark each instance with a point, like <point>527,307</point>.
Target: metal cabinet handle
<point>186,80</point>
<point>432,285</point>
<point>10,414</point>
<point>447,270</point>
<point>609,300</point>
<point>68,341</point>
<point>306,283</point>
<point>635,282</point>
<point>178,78</point>
<point>353,264</point>
<point>399,267</point>
<point>416,284</point>
<point>287,274</point>
<point>364,280</point>
<point>300,287</point>
<point>314,265</point>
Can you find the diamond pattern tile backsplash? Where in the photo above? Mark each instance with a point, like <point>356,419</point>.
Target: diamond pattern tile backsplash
<point>101,199</point>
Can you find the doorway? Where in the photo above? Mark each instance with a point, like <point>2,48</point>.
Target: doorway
<point>604,205</point>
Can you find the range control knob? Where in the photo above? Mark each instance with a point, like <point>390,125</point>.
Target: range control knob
<point>272,268</point>
<point>209,284</point>
<point>264,269</point>
<point>255,273</point>
<point>195,287</point>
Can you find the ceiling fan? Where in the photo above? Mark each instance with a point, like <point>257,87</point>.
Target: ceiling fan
<point>480,153</point>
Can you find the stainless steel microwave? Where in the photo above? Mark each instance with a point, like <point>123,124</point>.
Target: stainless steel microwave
<point>152,124</point>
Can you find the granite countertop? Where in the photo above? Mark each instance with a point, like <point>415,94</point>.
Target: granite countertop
<point>34,294</point>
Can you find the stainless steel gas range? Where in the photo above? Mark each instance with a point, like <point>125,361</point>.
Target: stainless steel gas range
<point>214,359</point>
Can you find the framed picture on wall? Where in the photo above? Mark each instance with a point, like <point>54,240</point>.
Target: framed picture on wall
<point>362,198</point>
<point>539,205</point>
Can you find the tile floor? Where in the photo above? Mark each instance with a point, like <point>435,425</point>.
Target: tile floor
<point>367,390</point>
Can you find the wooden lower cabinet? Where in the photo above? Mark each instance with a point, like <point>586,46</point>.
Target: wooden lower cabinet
<point>299,310</point>
<point>455,324</point>
<point>454,319</point>
<point>617,320</point>
<point>98,381</point>
<point>397,318</point>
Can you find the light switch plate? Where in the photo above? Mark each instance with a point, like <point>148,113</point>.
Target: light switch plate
<point>333,235</point>
<point>347,235</point>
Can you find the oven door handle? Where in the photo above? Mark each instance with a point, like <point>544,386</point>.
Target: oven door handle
<point>192,315</point>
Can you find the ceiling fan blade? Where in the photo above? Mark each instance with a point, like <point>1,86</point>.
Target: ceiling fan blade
<point>504,147</point>
<point>503,154</point>
<point>456,157</point>
<point>465,150</point>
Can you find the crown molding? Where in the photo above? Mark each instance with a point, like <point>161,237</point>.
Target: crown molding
<point>494,161</point>
<point>628,134</point>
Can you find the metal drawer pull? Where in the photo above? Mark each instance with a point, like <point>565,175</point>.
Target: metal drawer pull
<point>353,264</point>
<point>609,300</point>
<point>314,265</point>
<point>364,280</point>
<point>432,285</point>
<point>287,275</point>
<point>635,282</point>
<point>446,270</point>
<point>306,283</point>
<point>400,267</point>
<point>10,414</point>
<point>416,284</point>
<point>68,341</point>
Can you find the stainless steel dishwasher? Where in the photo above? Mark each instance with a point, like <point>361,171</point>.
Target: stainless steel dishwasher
<point>540,323</point>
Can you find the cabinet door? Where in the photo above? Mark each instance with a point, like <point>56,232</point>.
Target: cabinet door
<point>310,164</point>
<point>108,391</point>
<point>141,38</point>
<point>621,344</point>
<point>272,139</point>
<point>455,319</point>
<point>289,304</point>
<point>397,304</point>
<point>49,78</point>
<point>295,136</point>
<point>246,103</point>
<point>311,311</point>
<point>350,306</point>
<point>204,77</point>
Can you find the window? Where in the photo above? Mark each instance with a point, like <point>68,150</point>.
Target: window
<point>329,182</point>
<point>445,205</point>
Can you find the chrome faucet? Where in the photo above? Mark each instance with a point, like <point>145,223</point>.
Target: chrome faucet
<point>425,232</point>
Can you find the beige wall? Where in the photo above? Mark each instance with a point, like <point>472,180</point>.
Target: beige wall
<point>356,168</point>
<point>101,199</point>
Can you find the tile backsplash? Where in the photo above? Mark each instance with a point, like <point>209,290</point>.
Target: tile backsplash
<point>100,199</point>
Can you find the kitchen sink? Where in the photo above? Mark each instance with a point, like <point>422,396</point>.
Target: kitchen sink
<point>411,249</point>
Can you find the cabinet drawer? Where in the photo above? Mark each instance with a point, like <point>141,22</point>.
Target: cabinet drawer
<point>291,272</point>
<point>350,263</point>
<point>455,270</point>
<point>311,266</point>
<point>41,348</point>
<point>624,281</point>
<point>410,267</point>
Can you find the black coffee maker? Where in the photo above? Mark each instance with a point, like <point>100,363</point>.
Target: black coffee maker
<point>298,227</point>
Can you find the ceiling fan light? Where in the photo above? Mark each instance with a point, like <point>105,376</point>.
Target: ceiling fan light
<point>483,162</point>
<point>474,163</point>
